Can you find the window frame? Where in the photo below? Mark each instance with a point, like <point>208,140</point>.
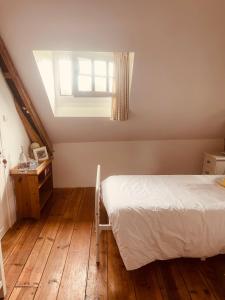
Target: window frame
<point>74,57</point>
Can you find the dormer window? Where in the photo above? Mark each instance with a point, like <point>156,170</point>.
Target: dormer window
<point>79,84</point>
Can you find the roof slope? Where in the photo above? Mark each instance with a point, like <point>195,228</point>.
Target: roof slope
<point>178,88</point>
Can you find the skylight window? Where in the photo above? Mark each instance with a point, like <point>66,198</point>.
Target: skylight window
<point>78,84</point>
<point>85,76</point>
<point>65,76</point>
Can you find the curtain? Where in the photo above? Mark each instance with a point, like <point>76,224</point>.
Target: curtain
<point>121,89</point>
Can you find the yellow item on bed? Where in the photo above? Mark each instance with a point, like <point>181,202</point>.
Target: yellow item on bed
<point>221,182</point>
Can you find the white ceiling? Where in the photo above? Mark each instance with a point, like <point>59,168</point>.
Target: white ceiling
<point>178,89</point>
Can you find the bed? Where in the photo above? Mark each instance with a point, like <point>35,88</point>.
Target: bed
<point>159,217</point>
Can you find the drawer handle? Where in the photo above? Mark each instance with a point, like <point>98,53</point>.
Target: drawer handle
<point>208,161</point>
<point>206,172</point>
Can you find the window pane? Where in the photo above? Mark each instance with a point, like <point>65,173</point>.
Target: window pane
<point>84,66</point>
<point>111,69</point>
<point>100,84</point>
<point>110,85</point>
<point>84,83</point>
<point>100,67</point>
<point>65,76</point>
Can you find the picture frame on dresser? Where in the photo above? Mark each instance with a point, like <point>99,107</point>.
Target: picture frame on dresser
<point>40,154</point>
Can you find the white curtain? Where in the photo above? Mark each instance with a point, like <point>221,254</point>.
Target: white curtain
<point>121,89</point>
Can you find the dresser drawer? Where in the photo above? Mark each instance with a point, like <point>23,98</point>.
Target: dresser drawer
<point>209,165</point>
<point>208,172</point>
<point>220,167</point>
<point>214,164</point>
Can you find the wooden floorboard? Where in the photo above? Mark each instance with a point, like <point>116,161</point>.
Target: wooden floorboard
<point>119,280</point>
<point>96,287</point>
<point>214,274</point>
<point>16,261</point>
<point>146,283</point>
<point>13,236</point>
<point>97,278</point>
<point>54,258</point>
<point>171,282</point>
<point>73,283</point>
<point>52,274</point>
<point>23,293</point>
<point>196,285</point>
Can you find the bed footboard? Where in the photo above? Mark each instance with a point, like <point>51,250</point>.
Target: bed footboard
<point>98,227</point>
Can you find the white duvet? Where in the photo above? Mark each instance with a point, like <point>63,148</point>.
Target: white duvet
<point>156,217</point>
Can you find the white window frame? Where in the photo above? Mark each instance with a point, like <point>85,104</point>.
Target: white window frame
<point>74,57</point>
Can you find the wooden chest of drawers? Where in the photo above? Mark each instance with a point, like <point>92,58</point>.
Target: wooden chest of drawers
<point>213,164</point>
<point>33,188</point>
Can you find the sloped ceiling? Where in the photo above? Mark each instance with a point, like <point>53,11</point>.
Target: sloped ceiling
<point>178,89</point>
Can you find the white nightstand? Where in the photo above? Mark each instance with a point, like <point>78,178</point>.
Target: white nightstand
<point>214,164</point>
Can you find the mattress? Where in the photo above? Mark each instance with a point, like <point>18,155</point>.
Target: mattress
<point>156,217</point>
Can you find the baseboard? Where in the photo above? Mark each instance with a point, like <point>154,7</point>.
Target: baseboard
<point>3,231</point>
<point>72,188</point>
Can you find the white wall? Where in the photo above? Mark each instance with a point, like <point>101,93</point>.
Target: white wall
<point>75,163</point>
<point>177,88</point>
<point>13,137</point>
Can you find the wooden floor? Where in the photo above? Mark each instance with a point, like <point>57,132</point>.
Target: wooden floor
<point>55,259</point>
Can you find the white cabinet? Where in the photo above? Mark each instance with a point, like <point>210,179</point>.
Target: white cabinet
<point>214,164</point>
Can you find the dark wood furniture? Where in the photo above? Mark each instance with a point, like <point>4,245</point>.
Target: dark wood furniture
<point>33,188</point>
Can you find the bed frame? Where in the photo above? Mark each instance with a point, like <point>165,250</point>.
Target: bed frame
<point>98,226</point>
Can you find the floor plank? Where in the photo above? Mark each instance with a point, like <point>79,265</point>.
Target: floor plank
<point>97,274</point>
<point>15,262</point>
<point>171,282</point>
<point>196,286</point>
<point>74,278</point>
<point>97,278</point>
<point>51,278</point>
<point>12,237</point>
<point>50,281</point>
<point>23,293</point>
<point>54,258</point>
<point>119,280</point>
<point>37,260</point>
<point>146,284</point>
<point>32,272</point>
<point>20,254</point>
<point>213,272</point>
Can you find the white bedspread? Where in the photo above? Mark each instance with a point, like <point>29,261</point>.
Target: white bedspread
<point>161,217</point>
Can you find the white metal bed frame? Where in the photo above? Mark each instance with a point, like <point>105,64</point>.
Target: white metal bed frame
<point>98,226</point>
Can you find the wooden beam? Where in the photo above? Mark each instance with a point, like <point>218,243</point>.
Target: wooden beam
<point>34,137</point>
<point>22,96</point>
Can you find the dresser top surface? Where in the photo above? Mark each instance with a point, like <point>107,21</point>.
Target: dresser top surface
<point>37,171</point>
<point>216,155</point>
